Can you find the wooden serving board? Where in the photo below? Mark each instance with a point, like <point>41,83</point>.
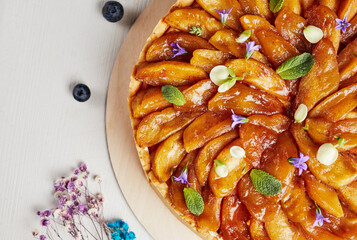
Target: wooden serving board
<point>157,217</point>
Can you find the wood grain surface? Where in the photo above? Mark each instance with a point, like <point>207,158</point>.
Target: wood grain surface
<point>151,211</point>
<point>47,46</point>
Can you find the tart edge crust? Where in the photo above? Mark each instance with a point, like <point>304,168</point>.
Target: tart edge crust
<point>161,188</point>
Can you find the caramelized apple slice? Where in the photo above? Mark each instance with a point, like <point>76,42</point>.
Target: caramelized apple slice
<point>331,4</point>
<point>274,160</point>
<point>186,18</point>
<point>351,32</point>
<point>323,79</point>
<point>147,101</point>
<point>324,18</point>
<point>347,61</point>
<point>291,26</point>
<point>350,81</point>
<point>338,105</point>
<point>339,174</point>
<point>205,128</point>
<point>255,140</point>
<point>158,126</point>
<point>279,228</point>
<point>225,40</point>
<point>306,4</point>
<point>191,174</point>
<point>318,129</point>
<point>325,196</point>
<point>208,153</point>
<point>197,96</point>
<point>223,186</point>
<point>296,204</point>
<point>168,156</point>
<point>257,230</point>
<point>261,76</point>
<point>349,195</point>
<point>245,101</point>
<point>169,72</point>
<point>234,219</point>
<point>208,59</point>
<point>257,7</point>
<point>161,49</point>
<point>210,218</point>
<point>344,126</point>
<point>255,23</point>
<point>277,122</point>
<point>175,190</point>
<point>347,8</point>
<point>292,5</point>
<point>276,48</point>
<point>257,204</point>
<point>233,17</point>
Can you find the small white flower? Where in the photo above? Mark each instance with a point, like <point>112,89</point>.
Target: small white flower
<point>219,74</point>
<point>57,213</point>
<point>98,179</point>
<point>237,152</point>
<point>58,194</point>
<point>301,113</point>
<point>327,154</point>
<point>313,34</point>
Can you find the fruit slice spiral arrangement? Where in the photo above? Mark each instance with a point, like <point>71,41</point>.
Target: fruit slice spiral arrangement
<point>245,119</point>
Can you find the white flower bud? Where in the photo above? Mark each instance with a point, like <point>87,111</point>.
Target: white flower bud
<point>313,34</point>
<point>301,113</point>
<point>327,154</point>
<point>237,152</point>
<point>219,74</point>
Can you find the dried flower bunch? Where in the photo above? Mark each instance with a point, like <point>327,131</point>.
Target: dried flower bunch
<point>79,213</point>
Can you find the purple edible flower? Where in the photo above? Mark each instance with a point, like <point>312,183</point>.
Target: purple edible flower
<point>183,177</point>
<point>319,218</point>
<point>250,48</point>
<point>299,162</point>
<point>45,222</point>
<point>83,167</point>
<point>342,24</point>
<point>224,15</point>
<point>238,119</point>
<point>177,49</point>
<point>42,237</point>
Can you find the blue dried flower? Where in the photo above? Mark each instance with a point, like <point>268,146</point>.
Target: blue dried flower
<point>130,236</point>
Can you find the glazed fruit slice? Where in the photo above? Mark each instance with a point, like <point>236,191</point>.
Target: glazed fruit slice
<point>347,61</point>
<point>347,8</point>
<point>208,153</point>
<point>205,128</point>
<point>323,79</point>
<point>257,7</point>
<point>257,230</point>
<point>351,32</point>
<point>184,19</point>
<point>197,96</point>
<point>234,219</point>
<point>161,48</point>
<point>349,195</point>
<point>169,72</point>
<point>261,76</point>
<point>233,18</point>
<point>168,156</point>
<point>208,59</point>
<point>160,125</point>
<point>325,196</point>
<point>245,101</point>
<point>292,5</point>
<point>223,186</point>
<point>255,23</point>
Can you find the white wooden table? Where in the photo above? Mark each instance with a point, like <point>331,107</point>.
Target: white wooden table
<point>47,46</point>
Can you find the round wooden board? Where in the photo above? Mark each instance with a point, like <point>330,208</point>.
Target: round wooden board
<point>157,217</point>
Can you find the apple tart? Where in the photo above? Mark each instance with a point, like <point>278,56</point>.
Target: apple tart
<point>244,116</point>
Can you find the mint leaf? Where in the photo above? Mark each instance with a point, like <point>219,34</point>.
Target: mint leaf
<point>194,201</point>
<point>296,67</point>
<point>173,95</point>
<point>265,183</point>
<point>275,5</point>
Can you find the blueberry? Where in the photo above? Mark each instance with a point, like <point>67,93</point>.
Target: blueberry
<point>113,11</point>
<point>81,92</point>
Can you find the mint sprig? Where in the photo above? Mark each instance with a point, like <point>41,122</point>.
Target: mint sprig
<point>296,67</point>
<point>275,5</point>
<point>265,183</point>
<point>173,95</point>
<point>194,201</point>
